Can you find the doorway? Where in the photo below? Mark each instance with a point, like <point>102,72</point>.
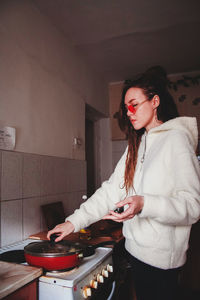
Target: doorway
<point>92,149</point>
<point>90,156</point>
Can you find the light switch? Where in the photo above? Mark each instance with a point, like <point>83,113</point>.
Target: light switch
<point>7,138</point>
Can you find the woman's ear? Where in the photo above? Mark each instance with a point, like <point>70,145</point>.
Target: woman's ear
<point>155,101</point>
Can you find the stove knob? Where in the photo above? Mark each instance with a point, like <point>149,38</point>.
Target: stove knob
<point>93,284</point>
<point>109,268</point>
<point>100,278</point>
<point>105,273</point>
<point>87,292</point>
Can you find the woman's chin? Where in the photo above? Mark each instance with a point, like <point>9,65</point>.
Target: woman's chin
<point>136,125</point>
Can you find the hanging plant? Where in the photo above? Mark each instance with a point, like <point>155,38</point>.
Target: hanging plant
<point>196,101</point>
<point>182,98</point>
<point>185,81</point>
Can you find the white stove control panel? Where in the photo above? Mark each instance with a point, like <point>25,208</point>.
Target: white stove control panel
<point>91,283</point>
<point>85,282</point>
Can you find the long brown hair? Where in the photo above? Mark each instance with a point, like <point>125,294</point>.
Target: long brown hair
<point>152,82</point>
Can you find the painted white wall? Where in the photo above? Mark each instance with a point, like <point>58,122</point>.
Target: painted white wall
<point>44,83</point>
<point>105,144</point>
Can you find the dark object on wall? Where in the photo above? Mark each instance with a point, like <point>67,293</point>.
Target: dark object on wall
<point>53,214</point>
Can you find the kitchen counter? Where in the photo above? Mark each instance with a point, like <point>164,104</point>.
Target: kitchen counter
<point>14,276</point>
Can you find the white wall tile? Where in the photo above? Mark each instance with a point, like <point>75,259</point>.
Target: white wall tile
<point>47,175</point>
<point>46,200</point>
<point>31,175</point>
<point>61,176</point>
<point>11,222</point>
<point>31,216</point>
<point>73,202</point>
<point>66,200</point>
<point>11,180</point>
<point>41,180</point>
<point>77,175</point>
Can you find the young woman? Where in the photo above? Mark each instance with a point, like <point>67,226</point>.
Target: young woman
<point>157,181</point>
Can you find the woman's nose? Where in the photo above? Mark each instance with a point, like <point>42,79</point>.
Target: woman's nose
<point>128,113</point>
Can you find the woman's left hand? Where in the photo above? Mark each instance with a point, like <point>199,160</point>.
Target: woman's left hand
<point>135,204</point>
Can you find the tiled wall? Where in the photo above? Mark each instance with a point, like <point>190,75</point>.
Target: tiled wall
<point>29,181</point>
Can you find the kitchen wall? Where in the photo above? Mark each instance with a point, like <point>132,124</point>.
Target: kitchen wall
<point>44,83</point>
<point>44,86</point>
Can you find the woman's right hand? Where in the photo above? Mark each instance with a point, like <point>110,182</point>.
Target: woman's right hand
<point>62,230</point>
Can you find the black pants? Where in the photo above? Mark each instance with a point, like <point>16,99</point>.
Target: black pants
<point>153,283</point>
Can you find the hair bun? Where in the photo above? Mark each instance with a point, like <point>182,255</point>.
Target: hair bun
<point>157,73</point>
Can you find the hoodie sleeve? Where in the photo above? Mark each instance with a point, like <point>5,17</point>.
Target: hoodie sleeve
<point>102,200</point>
<point>182,207</point>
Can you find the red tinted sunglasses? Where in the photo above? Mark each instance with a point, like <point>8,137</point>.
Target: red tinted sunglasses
<point>132,109</point>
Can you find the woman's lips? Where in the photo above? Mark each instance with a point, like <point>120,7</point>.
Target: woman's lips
<point>132,121</point>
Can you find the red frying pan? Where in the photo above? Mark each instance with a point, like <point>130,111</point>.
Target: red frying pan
<point>59,256</point>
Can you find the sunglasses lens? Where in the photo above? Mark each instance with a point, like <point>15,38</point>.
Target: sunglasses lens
<point>132,109</point>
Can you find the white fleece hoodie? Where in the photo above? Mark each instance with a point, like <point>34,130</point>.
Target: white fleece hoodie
<point>169,180</point>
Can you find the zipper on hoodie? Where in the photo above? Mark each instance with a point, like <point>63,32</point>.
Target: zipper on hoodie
<point>142,159</point>
<point>144,151</point>
<point>140,167</point>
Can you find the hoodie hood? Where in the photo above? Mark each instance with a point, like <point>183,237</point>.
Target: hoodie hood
<point>186,124</point>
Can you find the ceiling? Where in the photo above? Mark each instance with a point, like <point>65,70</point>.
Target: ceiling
<point>121,38</point>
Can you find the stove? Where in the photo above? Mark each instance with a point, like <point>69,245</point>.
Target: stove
<point>87,281</point>
<point>17,246</point>
<point>92,279</point>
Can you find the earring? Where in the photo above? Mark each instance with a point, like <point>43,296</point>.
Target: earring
<point>156,119</point>
<point>156,116</point>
